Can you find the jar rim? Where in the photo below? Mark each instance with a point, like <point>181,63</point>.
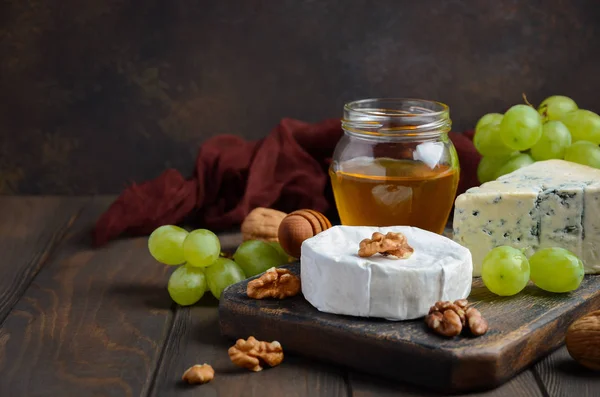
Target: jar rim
<point>352,106</point>
<point>396,117</point>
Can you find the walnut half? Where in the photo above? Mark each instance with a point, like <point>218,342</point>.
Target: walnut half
<point>253,354</point>
<point>199,374</point>
<point>450,318</point>
<point>477,324</point>
<point>389,244</point>
<point>274,283</point>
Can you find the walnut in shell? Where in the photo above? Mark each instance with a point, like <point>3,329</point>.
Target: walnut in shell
<point>262,224</point>
<point>583,340</point>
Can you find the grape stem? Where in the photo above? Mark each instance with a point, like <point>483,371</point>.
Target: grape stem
<point>544,109</point>
<point>526,101</point>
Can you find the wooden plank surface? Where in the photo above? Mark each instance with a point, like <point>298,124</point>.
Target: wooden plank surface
<point>523,385</point>
<point>30,228</point>
<point>196,339</point>
<point>92,323</point>
<point>85,322</point>
<point>561,376</point>
<point>523,329</point>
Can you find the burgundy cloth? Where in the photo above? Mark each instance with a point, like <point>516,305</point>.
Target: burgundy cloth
<point>286,170</point>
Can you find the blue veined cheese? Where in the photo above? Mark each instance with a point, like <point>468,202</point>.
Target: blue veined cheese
<point>560,217</point>
<point>591,228</point>
<point>486,220</point>
<point>551,203</point>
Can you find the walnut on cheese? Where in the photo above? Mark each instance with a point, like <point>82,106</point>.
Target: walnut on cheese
<point>389,244</point>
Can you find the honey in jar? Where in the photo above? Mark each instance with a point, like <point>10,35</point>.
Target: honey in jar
<point>395,164</point>
<point>388,192</point>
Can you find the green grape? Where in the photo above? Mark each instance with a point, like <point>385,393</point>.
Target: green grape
<point>489,166</point>
<point>187,285</point>
<point>255,257</point>
<point>556,270</point>
<point>166,244</point>
<point>521,127</point>
<point>556,106</point>
<point>222,274</point>
<point>555,139</point>
<point>583,125</point>
<point>488,142</point>
<point>505,271</point>
<point>490,118</point>
<point>584,152</point>
<point>517,161</point>
<point>201,248</point>
<point>285,258</point>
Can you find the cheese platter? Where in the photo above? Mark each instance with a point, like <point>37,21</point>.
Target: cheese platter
<point>419,282</point>
<point>522,330</point>
<point>376,313</point>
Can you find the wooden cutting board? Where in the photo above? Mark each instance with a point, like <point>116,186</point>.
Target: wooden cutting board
<point>523,329</point>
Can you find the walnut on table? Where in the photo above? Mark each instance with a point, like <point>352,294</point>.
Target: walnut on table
<point>274,283</point>
<point>254,354</point>
<point>391,243</point>
<point>199,374</point>
<point>450,318</point>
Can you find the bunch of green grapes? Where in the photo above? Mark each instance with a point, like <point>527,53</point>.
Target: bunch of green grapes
<point>557,129</point>
<point>506,270</point>
<point>203,266</point>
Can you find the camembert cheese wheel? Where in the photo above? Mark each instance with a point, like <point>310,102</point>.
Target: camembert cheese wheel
<point>335,279</point>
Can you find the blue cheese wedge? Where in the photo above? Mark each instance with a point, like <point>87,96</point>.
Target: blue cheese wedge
<point>552,203</point>
<point>336,280</point>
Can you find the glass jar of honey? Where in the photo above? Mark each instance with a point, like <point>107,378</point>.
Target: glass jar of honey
<point>395,164</point>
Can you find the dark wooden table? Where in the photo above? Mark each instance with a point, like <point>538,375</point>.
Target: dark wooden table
<point>76,321</point>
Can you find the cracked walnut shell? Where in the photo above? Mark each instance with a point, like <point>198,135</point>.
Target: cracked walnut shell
<point>253,354</point>
<point>391,243</point>
<point>262,224</point>
<point>274,283</point>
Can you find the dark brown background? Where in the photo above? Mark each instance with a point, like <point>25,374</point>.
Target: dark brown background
<point>98,93</point>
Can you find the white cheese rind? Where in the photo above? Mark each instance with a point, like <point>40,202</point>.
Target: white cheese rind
<point>336,280</point>
<point>551,203</point>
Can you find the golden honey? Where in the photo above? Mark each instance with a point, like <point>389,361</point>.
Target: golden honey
<point>393,192</point>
